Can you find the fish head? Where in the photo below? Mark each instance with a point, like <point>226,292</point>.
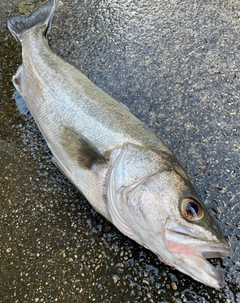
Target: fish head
<point>163,212</point>
<point>191,236</point>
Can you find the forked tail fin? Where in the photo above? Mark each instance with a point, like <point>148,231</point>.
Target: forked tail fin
<point>41,17</point>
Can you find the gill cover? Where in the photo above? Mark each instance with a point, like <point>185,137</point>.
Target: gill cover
<point>128,182</point>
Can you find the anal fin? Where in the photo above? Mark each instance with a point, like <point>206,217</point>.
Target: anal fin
<point>80,149</point>
<point>21,104</point>
<point>17,78</point>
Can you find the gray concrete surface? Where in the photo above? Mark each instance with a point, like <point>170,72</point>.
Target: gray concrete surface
<point>175,64</point>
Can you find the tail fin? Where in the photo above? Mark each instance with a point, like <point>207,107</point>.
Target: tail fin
<point>42,16</point>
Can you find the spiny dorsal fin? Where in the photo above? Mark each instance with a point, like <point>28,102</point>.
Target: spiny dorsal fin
<point>80,149</point>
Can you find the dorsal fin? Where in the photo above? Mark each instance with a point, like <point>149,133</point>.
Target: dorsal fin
<point>80,149</point>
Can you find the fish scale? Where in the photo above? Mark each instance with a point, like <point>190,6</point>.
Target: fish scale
<point>122,168</point>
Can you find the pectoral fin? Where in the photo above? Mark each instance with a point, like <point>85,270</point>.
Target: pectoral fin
<point>81,149</point>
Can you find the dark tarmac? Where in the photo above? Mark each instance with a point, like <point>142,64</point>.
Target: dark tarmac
<point>175,64</point>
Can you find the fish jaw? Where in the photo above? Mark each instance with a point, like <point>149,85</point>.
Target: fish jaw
<point>190,252</point>
<point>144,204</point>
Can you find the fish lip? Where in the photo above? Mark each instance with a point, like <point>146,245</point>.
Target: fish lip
<point>208,275</point>
<point>207,248</point>
<point>191,252</point>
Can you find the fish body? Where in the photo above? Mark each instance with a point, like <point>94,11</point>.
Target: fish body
<point>123,169</point>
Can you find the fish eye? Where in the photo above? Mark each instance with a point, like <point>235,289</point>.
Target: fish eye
<point>191,209</point>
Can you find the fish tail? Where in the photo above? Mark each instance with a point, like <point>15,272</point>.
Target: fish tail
<point>41,17</point>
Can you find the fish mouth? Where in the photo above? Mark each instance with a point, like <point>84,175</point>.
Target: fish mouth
<point>190,251</point>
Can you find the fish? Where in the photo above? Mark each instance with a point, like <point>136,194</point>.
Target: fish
<point>116,161</point>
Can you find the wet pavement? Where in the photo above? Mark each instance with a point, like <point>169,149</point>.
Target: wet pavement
<point>175,64</point>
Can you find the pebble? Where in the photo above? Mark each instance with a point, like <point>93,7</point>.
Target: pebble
<point>174,286</point>
<point>115,278</point>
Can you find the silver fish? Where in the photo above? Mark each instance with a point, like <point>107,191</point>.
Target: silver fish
<point>123,169</point>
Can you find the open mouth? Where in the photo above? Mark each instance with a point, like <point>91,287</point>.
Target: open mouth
<point>220,252</point>
<point>182,240</point>
<point>190,252</point>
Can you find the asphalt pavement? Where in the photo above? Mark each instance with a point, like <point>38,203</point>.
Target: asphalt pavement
<point>175,64</point>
